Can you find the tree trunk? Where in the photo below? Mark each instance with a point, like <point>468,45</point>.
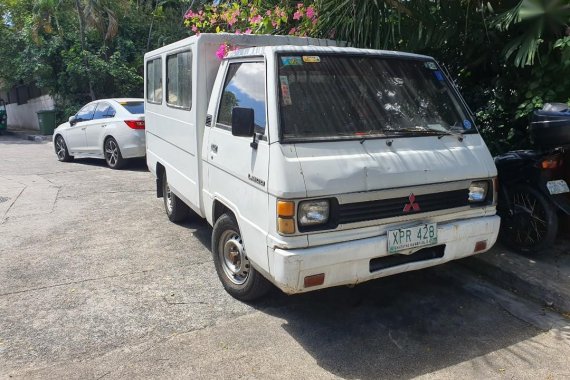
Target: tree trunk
<point>83,50</point>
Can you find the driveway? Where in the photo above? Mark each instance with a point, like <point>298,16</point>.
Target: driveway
<point>95,282</point>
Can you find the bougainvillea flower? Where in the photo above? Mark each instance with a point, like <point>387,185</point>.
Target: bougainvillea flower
<point>310,12</point>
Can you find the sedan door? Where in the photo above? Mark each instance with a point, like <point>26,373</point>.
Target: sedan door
<point>75,136</point>
<point>95,130</point>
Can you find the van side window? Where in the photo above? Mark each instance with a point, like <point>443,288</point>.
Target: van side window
<point>179,80</point>
<point>244,87</point>
<point>154,81</point>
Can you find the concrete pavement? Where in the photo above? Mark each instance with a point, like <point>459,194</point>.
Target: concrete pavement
<point>96,283</point>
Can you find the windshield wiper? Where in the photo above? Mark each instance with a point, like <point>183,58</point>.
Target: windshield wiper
<point>447,132</point>
<point>426,130</point>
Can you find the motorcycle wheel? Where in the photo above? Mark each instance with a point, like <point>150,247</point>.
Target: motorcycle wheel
<point>532,225</point>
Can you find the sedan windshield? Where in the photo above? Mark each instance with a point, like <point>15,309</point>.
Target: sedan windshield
<point>334,96</point>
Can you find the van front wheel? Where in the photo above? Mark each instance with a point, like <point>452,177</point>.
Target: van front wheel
<point>237,275</point>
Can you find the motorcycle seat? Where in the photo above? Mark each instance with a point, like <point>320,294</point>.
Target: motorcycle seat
<point>516,156</point>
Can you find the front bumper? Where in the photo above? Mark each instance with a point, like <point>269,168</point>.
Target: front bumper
<point>348,262</point>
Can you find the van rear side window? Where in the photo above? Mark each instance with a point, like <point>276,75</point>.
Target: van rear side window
<point>179,80</point>
<point>154,81</point>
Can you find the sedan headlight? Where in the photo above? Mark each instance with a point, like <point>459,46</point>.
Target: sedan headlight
<point>312,213</point>
<point>478,191</point>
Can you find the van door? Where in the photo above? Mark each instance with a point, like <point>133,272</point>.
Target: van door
<point>238,171</point>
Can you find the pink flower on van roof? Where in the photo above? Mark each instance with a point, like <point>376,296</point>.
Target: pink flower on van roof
<point>221,52</point>
<point>297,15</point>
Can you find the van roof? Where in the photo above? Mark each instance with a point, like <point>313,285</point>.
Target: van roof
<point>270,50</point>
<point>269,44</point>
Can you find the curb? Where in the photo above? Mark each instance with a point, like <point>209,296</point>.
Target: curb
<point>28,136</point>
<point>540,290</point>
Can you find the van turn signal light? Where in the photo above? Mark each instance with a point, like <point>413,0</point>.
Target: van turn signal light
<point>286,225</point>
<point>285,209</point>
<point>285,217</point>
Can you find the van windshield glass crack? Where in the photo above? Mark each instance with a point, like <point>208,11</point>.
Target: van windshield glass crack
<point>327,96</point>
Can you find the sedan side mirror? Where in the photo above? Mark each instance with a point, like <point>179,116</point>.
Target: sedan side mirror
<point>242,121</point>
<point>72,120</point>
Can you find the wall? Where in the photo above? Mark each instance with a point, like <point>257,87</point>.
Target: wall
<point>24,116</point>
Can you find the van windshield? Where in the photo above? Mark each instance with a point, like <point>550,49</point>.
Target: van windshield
<point>333,96</point>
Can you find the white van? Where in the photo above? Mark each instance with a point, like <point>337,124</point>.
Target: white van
<point>316,165</point>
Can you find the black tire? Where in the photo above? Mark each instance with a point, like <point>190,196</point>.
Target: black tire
<point>112,154</point>
<point>237,275</point>
<point>533,226</point>
<point>61,149</point>
<point>176,209</point>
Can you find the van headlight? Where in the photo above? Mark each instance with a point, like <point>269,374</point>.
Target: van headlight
<point>313,212</point>
<point>478,191</point>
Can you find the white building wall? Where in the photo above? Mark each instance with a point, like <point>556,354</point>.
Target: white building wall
<point>24,116</point>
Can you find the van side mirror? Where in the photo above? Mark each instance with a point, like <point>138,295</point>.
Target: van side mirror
<point>72,120</point>
<point>242,121</point>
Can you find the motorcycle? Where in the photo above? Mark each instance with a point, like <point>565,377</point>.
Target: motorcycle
<point>531,188</point>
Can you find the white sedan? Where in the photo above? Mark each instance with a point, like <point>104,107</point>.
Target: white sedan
<point>110,129</point>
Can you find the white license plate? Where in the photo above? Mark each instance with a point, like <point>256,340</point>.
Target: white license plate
<point>413,237</point>
<point>557,187</point>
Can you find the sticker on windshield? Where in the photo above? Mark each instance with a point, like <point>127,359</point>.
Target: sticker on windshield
<point>466,124</point>
<point>431,65</point>
<point>285,95</point>
<point>311,59</point>
<point>438,75</point>
<point>292,61</point>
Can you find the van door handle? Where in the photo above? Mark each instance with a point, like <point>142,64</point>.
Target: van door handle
<point>214,148</point>
<point>84,128</point>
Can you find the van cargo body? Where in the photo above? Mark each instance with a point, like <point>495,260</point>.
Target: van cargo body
<point>316,165</point>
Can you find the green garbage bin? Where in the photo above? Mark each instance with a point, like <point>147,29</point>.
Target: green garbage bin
<point>46,120</point>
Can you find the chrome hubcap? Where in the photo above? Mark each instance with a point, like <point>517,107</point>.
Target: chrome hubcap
<point>111,152</point>
<point>233,257</point>
<point>168,196</point>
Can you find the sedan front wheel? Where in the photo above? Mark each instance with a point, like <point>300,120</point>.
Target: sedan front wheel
<point>61,150</point>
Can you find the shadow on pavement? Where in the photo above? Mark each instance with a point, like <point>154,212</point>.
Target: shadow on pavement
<point>400,326</point>
<point>133,164</point>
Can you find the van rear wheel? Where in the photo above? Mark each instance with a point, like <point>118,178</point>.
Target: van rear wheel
<point>175,208</point>
<point>237,275</point>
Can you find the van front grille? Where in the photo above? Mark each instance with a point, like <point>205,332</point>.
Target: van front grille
<point>389,208</point>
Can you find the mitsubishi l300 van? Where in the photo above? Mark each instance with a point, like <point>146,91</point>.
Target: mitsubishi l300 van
<point>316,165</point>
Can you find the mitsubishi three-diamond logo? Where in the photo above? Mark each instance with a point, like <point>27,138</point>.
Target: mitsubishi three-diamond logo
<point>413,205</point>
